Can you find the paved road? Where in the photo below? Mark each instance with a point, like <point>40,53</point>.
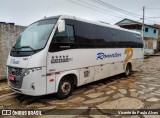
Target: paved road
<point>140,90</point>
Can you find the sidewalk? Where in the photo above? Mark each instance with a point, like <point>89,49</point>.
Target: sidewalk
<point>151,55</point>
<point>155,54</point>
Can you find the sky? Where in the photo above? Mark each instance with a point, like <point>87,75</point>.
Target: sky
<point>25,12</point>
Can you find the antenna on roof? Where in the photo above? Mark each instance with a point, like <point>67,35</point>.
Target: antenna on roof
<point>47,9</point>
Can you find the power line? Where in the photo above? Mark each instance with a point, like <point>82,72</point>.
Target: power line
<point>153,21</point>
<point>95,9</point>
<point>152,8</point>
<point>138,10</point>
<point>102,9</point>
<point>152,17</point>
<point>115,8</point>
<point>90,6</point>
<point>118,9</point>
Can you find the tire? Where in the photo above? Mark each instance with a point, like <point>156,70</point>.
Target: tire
<point>128,70</point>
<point>65,88</point>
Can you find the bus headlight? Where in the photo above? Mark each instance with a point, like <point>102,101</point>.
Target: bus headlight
<point>30,70</point>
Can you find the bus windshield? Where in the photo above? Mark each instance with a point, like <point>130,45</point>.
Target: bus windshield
<point>35,36</point>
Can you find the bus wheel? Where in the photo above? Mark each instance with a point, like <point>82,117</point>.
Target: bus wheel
<point>65,88</point>
<point>128,70</point>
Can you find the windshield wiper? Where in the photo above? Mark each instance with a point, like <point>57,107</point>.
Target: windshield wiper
<point>25,47</point>
<point>15,49</point>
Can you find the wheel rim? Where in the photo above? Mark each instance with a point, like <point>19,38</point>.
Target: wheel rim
<point>66,88</point>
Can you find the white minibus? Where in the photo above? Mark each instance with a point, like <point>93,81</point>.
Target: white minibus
<point>56,54</point>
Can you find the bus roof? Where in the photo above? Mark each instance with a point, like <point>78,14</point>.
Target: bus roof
<point>96,23</point>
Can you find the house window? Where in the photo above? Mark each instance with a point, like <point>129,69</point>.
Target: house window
<point>154,31</point>
<point>146,29</point>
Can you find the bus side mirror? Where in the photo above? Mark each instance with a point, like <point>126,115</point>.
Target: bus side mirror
<point>61,26</point>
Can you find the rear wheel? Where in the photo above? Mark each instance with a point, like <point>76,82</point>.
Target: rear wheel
<point>128,70</point>
<point>65,88</point>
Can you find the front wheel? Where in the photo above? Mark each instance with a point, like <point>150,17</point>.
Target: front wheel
<point>128,70</point>
<point>65,88</point>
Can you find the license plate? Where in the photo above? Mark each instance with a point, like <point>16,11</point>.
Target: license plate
<point>12,78</point>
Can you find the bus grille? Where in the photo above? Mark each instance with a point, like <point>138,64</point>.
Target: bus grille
<point>14,71</point>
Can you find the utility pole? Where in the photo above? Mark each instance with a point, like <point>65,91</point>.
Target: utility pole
<point>143,23</point>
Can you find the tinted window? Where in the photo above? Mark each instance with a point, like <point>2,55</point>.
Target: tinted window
<point>95,36</point>
<point>85,34</point>
<point>63,40</point>
<point>100,35</point>
<point>113,33</point>
<point>65,37</point>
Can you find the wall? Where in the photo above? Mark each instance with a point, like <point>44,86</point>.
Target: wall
<point>150,45</point>
<point>151,33</point>
<point>158,43</point>
<point>8,35</point>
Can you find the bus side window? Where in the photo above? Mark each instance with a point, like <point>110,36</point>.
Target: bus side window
<point>65,37</point>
